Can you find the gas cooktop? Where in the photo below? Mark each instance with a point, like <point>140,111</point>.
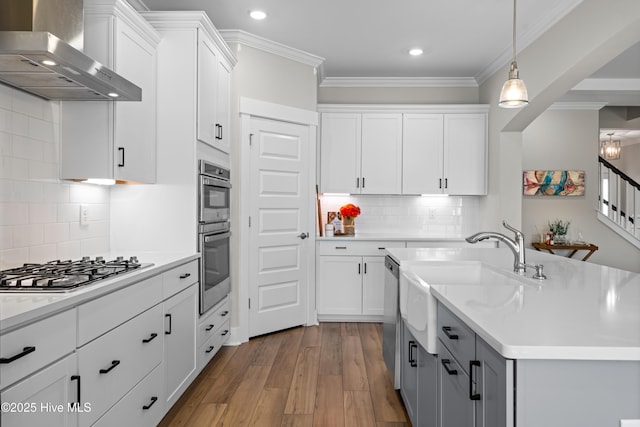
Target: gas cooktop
<point>64,276</point>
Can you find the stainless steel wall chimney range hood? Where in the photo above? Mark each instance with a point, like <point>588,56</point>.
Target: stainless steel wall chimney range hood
<point>41,45</point>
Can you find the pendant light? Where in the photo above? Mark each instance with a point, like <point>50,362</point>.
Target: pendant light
<point>610,150</point>
<point>514,92</point>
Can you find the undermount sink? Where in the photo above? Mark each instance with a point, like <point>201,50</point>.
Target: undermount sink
<point>418,305</point>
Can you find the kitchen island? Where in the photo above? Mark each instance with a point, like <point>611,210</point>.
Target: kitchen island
<point>568,347</point>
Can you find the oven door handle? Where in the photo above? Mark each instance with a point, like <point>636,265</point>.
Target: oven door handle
<point>215,237</point>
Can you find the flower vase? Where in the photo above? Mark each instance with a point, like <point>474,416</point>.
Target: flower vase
<point>560,239</point>
<point>349,225</point>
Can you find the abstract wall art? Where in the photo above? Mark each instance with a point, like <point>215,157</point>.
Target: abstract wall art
<point>553,183</point>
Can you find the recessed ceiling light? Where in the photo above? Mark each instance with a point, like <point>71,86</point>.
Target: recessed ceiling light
<point>416,51</point>
<point>113,94</point>
<point>258,15</point>
<point>49,62</point>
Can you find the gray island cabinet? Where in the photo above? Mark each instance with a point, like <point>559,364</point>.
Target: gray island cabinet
<point>510,350</point>
<point>478,387</point>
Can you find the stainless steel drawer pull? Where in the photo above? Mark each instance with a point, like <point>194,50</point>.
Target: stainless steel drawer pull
<point>23,353</point>
<point>113,365</point>
<point>447,332</point>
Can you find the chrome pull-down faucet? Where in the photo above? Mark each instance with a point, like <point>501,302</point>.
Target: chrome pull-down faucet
<point>516,245</point>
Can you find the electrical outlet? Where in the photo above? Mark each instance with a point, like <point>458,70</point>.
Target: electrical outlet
<point>84,214</point>
<point>432,213</point>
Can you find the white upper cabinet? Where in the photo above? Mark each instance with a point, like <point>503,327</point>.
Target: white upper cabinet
<point>404,149</point>
<point>340,152</point>
<point>361,153</point>
<point>422,153</point>
<point>444,154</point>
<point>465,154</point>
<point>114,140</point>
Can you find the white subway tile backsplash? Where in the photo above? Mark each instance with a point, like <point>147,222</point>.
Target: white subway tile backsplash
<point>43,253</point>
<point>14,213</point>
<point>28,235</point>
<point>56,232</point>
<point>6,237</point>
<point>27,148</point>
<point>19,124</point>
<point>39,214</point>
<point>69,250</point>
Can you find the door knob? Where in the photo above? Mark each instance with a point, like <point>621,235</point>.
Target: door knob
<point>303,235</point>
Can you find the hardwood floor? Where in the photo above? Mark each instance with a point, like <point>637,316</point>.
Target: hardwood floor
<point>327,375</point>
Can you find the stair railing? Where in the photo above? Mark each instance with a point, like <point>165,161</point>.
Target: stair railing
<point>619,198</point>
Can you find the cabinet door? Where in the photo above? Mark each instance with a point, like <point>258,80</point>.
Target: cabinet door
<point>427,388</point>
<point>180,342</point>
<point>340,153</point>
<point>409,373</point>
<point>422,150</point>
<point>223,124</point>
<point>495,385</point>
<point>135,130</point>
<point>381,158</point>
<point>465,154</point>
<point>339,287</point>
<point>207,89</point>
<point>456,409</point>
<point>373,286</point>
<point>43,398</point>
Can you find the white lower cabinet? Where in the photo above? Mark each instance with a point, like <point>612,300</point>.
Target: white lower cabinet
<point>180,342</point>
<point>213,331</point>
<point>350,280</point>
<point>46,398</point>
<point>142,406</point>
<point>113,364</point>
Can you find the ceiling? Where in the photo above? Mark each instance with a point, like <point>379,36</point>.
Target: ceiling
<point>371,38</point>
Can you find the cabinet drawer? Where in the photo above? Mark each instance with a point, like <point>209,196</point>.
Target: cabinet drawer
<point>179,278</point>
<point>209,325</point>
<point>457,337</point>
<point>111,365</point>
<point>451,244</point>
<point>101,315</point>
<point>369,248</point>
<point>141,407</point>
<point>213,345</point>
<point>456,409</point>
<point>51,339</point>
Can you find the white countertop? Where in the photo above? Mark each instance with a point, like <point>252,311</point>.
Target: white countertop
<point>583,311</point>
<point>18,309</point>
<point>395,236</point>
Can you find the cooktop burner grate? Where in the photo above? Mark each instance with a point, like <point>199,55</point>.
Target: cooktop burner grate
<point>62,276</point>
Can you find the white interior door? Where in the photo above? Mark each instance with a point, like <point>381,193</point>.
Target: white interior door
<point>278,247</point>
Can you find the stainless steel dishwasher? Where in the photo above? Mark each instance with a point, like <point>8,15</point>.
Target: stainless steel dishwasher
<point>391,320</point>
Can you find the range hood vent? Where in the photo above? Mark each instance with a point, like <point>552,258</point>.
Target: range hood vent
<point>41,53</point>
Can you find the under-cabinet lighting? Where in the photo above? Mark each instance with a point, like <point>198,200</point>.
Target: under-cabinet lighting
<point>415,51</point>
<point>336,194</point>
<point>100,181</point>
<point>49,63</point>
<point>434,195</point>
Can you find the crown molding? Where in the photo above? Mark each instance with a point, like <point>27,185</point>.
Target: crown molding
<point>399,82</point>
<point>404,108</point>
<point>251,40</point>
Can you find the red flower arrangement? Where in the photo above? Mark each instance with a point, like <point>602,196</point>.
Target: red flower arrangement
<point>349,210</point>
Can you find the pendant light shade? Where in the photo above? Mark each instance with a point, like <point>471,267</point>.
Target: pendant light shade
<point>514,92</point>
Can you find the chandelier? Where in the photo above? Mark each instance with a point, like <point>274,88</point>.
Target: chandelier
<point>610,150</point>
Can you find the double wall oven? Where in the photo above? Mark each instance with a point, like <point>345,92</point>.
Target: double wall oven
<point>214,234</point>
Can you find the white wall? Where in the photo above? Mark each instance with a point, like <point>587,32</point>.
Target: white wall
<point>39,214</point>
<point>398,95</point>
<point>559,140</point>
